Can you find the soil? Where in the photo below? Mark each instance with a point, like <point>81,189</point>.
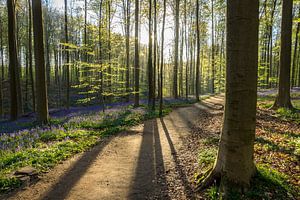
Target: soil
<point>155,160</point>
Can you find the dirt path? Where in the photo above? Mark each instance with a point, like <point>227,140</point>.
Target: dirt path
<point>147,162</point>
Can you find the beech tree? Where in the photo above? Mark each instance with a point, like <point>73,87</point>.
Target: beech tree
<point>234,165</point>
<point>283,99</point>
<point>41,84</point>
<point>136,57</point>
<point>13,59</point>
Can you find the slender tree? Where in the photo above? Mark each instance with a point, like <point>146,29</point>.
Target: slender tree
<point>283,98</point>
<point>154,55</point>
<point>197,83</point>
<point>127,18</point>
<point>296,51</point>
<point>150,64</point>
<point>175,74</point>
<point>30,54</point>
<point>234,164</point>
<point>67,66</point>
<point>162,59</point>
<point>41,85</point>
<point>136,57</point>
<point>2,67</point>
<point>212,48</point>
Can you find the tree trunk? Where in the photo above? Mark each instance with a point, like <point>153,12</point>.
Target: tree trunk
<point>67,66</point>
<point>175,74</point>
<point>150,65</point>
<point>283,99</point>
<point>197,84</point>
<point>136,57</point>
<point>2,67</point>
<point>41,85</point>
<point>13,59</point>
<point>127,49</point>
<point>155,55</point>
<point>30,55</point>
<point>212,48</point>
<point>234,164</point>
<point>162,60</point>
<point>295,54</point>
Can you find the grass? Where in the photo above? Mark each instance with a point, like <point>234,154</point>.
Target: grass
<point>267,184</point>
<point>45,147</point>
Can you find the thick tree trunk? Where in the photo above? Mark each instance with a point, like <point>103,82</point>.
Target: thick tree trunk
<point>234,164</point>
<point>41,85</point>
<point>13,59</point>
<point>136,57</point>
<point>283,99</point>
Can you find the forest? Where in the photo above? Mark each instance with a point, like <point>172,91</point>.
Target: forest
<point>152,99</point>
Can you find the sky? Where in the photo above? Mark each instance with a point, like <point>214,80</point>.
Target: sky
<point>169,31</point>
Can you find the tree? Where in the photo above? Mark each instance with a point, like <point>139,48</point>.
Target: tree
<point>212,48</point>
<point>150,64</point>
<point>175,74</point>
<point>2,67</point>
<point>234,165</point>
<point>136,57</point>
<point>127,22</point>
<point>296,52</point>
<point>162,60</point>
<point>155,55</point>
<point>30,54</point>
<point>283,98</point>
<point>41,85</point>
<point>67,56</point>
<point>13,59</point>
<point>198,51</point>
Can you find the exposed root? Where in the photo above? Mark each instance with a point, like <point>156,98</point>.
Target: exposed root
<point>212,176</point>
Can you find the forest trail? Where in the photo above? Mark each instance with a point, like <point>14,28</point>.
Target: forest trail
<point>142,163</point>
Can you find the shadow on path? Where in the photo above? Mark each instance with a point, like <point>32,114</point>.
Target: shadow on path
<point>187,187</point>
<point>149,180</point>
<point>66,182</point>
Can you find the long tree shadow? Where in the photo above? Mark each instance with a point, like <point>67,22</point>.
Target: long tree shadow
<point>150,180</point>
<point>187,186</point>
<point>62,188</point>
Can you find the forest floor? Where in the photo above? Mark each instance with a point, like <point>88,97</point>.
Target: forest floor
<point>163,158</point>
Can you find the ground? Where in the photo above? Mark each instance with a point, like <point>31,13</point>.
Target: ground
<point>163,158</point>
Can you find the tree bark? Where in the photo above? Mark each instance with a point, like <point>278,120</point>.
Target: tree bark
<point>13,59</point>
<point>30,55</point>
<point>150,64</point>
<point>234,164</point>
<point>175,74</point>
<point>41,85</point>
<point>197,84</point>
<point>67,66</point>
<point>162,59</point>
<point>295,53</point>
<point>283,98</point>
<point>136,57</point>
